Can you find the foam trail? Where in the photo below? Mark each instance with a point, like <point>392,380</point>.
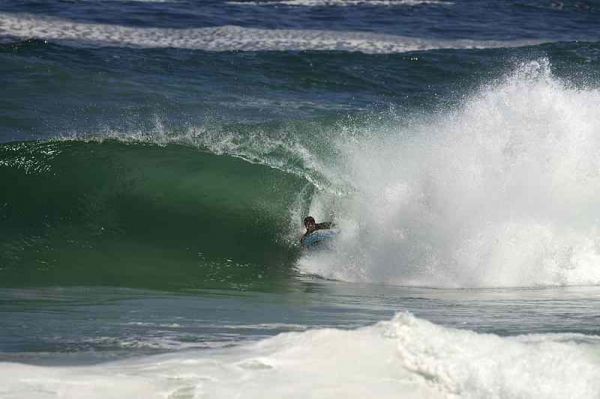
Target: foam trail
<point>228,38</point>
<point>502,192</point>
<point>405,357</point>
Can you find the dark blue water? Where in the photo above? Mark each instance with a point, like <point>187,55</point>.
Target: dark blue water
<point>54,89</point>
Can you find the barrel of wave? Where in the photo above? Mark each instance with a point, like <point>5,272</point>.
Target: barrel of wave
<point>140,215</point>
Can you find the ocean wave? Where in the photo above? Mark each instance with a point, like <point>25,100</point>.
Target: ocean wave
<point>499,192</point>
<point>406,356</point>
<point>230,38</point>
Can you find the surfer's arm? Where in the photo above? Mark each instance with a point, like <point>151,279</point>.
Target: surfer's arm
<point>324,225</point>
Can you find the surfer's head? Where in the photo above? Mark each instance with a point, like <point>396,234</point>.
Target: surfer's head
<point>309,222</point>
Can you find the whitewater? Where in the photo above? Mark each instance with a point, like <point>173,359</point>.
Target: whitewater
<point>406,354</point>
<point>500,192</point>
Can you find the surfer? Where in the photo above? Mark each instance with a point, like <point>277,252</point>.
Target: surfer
<point>311,226</point>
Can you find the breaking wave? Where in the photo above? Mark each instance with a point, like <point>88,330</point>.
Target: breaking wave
<point>503,191</point>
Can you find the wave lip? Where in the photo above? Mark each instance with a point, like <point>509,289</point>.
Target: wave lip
<point>230,38</point>
<point>406,356</point>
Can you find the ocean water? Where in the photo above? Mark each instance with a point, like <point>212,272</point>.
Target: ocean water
<point>157,158</point>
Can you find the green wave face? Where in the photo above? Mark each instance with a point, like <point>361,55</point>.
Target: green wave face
<point>168,217</point>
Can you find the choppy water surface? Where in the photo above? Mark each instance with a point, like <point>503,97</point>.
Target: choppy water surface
<point>157,158</point>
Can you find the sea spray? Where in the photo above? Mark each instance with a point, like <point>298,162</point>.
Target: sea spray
<point>502,191</point>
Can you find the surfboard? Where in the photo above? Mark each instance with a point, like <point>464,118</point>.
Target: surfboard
<point>319,238</point>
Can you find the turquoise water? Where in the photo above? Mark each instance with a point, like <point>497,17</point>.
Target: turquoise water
<point>157,159</point>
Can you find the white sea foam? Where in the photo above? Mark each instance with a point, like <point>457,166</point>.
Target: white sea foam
<point>405,357</point>
<point>228,38</point>
<point>342,3</point>
<point>503,191</point>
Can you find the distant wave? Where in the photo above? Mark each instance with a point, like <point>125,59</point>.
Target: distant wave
<point>341,3</point>
<point>229,38</point>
